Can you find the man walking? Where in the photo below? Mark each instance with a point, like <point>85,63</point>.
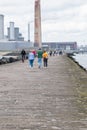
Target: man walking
<point>23,54</point>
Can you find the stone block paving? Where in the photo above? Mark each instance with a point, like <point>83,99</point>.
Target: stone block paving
<point>39,99</point>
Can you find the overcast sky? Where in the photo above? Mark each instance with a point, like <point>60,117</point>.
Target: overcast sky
<point>62,20</point>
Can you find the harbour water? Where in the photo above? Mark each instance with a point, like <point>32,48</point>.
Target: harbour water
<point>81,59</point>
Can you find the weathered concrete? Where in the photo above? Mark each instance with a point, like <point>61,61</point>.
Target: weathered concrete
<point>41,99</point>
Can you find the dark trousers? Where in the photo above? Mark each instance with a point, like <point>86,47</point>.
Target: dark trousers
<point>23,58</point>
<point>45,60</point>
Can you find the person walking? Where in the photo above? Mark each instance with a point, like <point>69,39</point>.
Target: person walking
<point>23,54</point>
<point>45,58</point>
<point>31,58</point>
<point>39,55</point>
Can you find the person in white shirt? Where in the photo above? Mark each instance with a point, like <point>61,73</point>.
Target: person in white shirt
<point>31,58</point>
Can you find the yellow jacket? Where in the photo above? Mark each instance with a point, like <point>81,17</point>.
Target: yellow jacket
<point>45,55</point>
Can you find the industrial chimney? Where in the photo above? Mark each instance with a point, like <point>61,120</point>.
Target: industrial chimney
<point>37,23</point>
<point>12,37</point>
<point>1,26</point>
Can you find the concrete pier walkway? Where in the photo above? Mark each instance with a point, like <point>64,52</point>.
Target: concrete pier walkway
<point>41,99</point>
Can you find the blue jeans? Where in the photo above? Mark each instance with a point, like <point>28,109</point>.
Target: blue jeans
<point>39,62</point>
<point>31,62</point>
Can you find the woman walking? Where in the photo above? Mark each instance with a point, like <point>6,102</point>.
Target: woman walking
<point>31,58</point>
<point>45,58</point>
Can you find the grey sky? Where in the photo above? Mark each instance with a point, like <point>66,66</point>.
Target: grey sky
<point>64,20</point>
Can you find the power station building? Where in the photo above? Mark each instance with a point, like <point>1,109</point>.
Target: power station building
<point>13,33</point>
<point>14,39</point>
<point>61,45</point>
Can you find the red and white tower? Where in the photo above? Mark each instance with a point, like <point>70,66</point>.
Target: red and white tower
<point>37,24</point>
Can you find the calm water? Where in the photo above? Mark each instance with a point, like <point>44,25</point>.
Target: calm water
<point>81,59</point>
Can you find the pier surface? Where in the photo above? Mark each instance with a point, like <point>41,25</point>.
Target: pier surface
<point>41,99</point>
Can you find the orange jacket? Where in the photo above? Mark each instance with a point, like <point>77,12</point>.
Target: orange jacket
<point>45,55</point>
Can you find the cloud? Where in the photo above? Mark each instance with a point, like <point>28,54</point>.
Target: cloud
<point>63,20</point>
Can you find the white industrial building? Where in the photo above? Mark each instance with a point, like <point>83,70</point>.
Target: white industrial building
<point>13,33</point>
<point>15,45</point>
<point>14,39</point>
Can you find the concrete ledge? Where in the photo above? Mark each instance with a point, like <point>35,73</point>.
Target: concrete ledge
<point>70,56</point>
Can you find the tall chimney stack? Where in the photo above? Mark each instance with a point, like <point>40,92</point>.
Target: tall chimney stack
<point>37,23</point>
<point>12,31</point>
<point>1,26</point>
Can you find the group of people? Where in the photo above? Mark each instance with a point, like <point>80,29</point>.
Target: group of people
<point>41,55</point>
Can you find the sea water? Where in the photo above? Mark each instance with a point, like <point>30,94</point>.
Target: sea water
<point>81,58</point>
